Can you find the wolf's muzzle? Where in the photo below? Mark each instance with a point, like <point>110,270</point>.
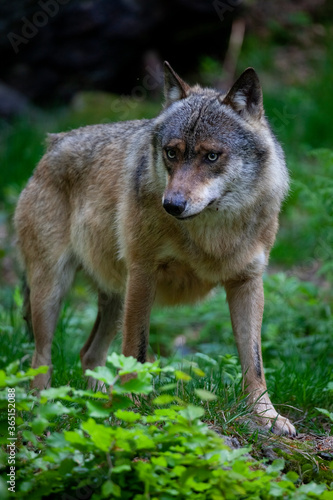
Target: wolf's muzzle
<point>175,206</point>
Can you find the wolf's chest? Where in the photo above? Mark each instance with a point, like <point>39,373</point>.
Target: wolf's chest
<point>188,276</point>
<point>179,283</point>
<point>187,281</point>
<point>188,268</point>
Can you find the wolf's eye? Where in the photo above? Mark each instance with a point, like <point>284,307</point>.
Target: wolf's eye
<point>171,154</point>
<point>212,157</point>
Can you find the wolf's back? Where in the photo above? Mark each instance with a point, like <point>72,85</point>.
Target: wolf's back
<point>70,156</point>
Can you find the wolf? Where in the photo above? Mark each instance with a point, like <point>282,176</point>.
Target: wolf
<point>158,211</point>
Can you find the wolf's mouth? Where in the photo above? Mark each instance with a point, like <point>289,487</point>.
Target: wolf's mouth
<point>187,217</point>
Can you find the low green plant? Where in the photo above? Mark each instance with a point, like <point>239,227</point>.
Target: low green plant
<point>327,413</point>
<point>83,444</point>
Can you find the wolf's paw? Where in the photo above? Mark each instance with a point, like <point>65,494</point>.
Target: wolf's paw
<point>283,426</point>
<point>274,422</point>
<point>41,381</point>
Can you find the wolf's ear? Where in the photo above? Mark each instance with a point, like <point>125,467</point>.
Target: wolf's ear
<point>174,87</point>
<point>245,96</point>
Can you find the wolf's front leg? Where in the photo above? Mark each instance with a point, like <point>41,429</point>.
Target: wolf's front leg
<point>140,295</point>
<point>246,303</point>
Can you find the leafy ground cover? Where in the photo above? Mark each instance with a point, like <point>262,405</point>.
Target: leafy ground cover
<point>167,443</point>
<point>83,444</point>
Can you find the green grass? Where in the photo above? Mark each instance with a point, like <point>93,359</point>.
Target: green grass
<point>296,340</point>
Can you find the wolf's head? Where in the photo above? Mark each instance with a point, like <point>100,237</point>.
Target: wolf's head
<point>215,151</point>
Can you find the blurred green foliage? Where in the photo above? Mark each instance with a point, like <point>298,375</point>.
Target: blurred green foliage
<point>99,445</point>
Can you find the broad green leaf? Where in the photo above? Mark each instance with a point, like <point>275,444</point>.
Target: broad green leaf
<point>102,373</point>
<point>137,386</point>
<point>67,467</point>
<point>276,466</point>
<point>126,364</point>
<point>110,490</point>
<point>26,486</point>
<point>292,476</point>
<point>182,376</point>
<point>205,395</point>
<point>50,410</point>
<point>13,367</point>
<point>312,487</point>
<point>275,491</point>
<point>326,495</point>
<point>326,413</point>
<point>39,424</point>
<point>165,413</point>
<point>90,394</point>
<point>164,399</point>
<point>143,442</point>
<point>121,468</point>
<point>30,436</point>
<point>197,486</point>
<point>96,410</point>
<point>56,440</point>
<point>161,461</point>
<point>178,470</point>
<point>76,437</point>
<point>4,494</point>
<point>55,393</point>
<point>198,371</point>
<point>102,436</point>
<point>32,372</point>
<point>2,379</point>
<point>166,369</point>
<point>128,416</point>
<point>14,378</point>
<point>120,402</point>
<point>192,412</point>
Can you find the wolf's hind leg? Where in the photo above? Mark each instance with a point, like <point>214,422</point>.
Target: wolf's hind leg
<point>94,351</point>
<point>47,289</point>
<point>27,307</point>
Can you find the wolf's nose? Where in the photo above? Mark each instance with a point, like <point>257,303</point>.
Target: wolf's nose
<point>174,207</point>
